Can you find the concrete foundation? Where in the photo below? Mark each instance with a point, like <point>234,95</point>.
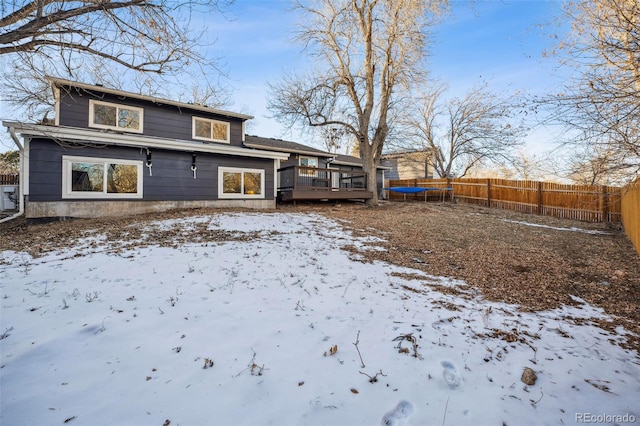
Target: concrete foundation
<point>89,209</point>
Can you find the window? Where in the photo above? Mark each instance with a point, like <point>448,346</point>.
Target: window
<point>240,183</point>
<point>104,115</point>
<point>101,178</point>
<point>308,162</point>
<point>210,130</point>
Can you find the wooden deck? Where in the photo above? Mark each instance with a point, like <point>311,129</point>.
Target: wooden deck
<point>311,183</point>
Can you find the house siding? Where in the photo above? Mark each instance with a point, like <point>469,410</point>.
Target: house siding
<point>414,165</point>
<point>171,180</point>
<point>165,121</point>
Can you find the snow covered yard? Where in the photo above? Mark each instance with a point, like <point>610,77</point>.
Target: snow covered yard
<point>276,324</point>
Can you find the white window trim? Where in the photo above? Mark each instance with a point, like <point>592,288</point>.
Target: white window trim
<point>93,102</point>
<point>200,138</point>
<point>68,193</point>
<point>221,193</point>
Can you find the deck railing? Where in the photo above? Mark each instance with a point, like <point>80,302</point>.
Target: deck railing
<point>313,178</point>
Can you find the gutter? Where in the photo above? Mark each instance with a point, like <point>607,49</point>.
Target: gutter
<point>138,141</point>
<point>12,132</point>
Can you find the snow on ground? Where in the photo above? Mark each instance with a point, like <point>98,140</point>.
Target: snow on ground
<point>556,228</point>
<point>285,328</point>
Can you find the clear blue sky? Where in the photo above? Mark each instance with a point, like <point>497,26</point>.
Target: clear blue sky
<point>498,41</point>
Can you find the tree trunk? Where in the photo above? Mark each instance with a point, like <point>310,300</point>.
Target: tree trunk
<point>370,154</point>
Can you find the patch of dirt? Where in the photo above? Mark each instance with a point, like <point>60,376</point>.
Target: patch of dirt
<point>495,251</point>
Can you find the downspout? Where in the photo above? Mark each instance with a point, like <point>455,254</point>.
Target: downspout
<point>12,132</point>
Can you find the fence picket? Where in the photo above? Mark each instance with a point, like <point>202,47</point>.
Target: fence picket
<point>630,208</point>
<point>593,203</point>
<point>9,179</point>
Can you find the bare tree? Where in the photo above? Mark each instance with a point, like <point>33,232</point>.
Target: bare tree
<point>600,103</point>
<point>523,165</point>
<point>590,165</point>
<point>367,51</point>
<point>464,133</point>
<point>10,162</point>
<point>100,40</point>
<point>332,137</point>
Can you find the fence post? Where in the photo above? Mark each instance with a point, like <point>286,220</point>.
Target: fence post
<point>488,192</point>
<point>605,203</point>
<point>539,208</point>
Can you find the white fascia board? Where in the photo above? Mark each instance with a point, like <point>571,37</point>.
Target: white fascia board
<point>62,82</point>
<point>346,163</point>
<point>137,141</point>
<point>56,98</point>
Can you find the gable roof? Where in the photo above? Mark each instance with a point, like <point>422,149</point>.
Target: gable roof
<point>59,82</point>
<point>272,144</point>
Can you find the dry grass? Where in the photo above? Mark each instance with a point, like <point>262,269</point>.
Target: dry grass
<point>535,267</point>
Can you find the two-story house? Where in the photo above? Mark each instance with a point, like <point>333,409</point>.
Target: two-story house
<point>109,152</point>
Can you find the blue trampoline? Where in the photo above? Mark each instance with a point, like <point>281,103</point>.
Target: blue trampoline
<point>416,189</point>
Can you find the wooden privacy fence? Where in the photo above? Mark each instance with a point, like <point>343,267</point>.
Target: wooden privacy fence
<point>593,203</point>
<point>630,208</point>
<point>10,179</point>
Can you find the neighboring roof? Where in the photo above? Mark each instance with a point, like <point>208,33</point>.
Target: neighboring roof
<point>405,153</point>
<point>272,144</point>
<point>73,134</point>
<point>350,160</point>
<point>62,82</point>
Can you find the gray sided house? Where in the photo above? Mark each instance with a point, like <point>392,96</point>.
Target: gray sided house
<point>409,165</point>
<point>313,174</point>
<point>110,153</point>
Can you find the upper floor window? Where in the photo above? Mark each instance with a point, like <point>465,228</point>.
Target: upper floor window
<point>105,115</point>
<point>210,130</point>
